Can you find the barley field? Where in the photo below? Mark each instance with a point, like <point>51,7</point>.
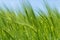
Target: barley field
<point>27,25</point>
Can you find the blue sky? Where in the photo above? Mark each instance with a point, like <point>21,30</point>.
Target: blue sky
<point>35,3</point>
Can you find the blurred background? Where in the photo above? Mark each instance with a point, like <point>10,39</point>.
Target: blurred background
<point>14,4</point>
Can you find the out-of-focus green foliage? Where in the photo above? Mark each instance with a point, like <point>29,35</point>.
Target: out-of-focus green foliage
<point>28,26</point>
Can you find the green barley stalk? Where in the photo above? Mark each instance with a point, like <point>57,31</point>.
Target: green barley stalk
<point>27,26</point>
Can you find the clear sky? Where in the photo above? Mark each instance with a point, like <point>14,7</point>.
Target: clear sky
<point>35,3</point>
